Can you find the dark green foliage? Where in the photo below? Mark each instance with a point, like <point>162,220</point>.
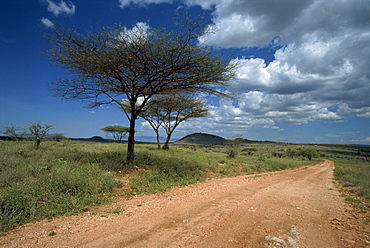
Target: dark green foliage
<point>249,150</point>
<point>309,154</point>
<point>57,137</point>
<point>118,132</point>
<point>232,152</point>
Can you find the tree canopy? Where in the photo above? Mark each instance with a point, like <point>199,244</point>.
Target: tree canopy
<point>118,132</point>
<point>14,132</point>
<point>118,63</point>
<point>169,111</point>
<point>39,132</point>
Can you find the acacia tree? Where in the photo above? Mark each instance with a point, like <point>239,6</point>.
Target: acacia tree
<point>169,111</point>
<point>117,63</point>
<point>14,132</point>
<point>39,132</point>
<point>179,108</point>
<point>152,114</point>
<point>118,132</point>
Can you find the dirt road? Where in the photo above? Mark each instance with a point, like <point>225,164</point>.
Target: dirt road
<point>292,208</point>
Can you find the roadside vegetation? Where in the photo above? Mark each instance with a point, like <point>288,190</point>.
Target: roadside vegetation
<point>352,171</point>
<point>68,177</point>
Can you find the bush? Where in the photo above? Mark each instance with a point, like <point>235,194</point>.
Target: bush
<point>232,152</point>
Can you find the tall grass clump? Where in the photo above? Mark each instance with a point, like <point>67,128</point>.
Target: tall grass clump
<point>162,170</point>
<point>354,174</point>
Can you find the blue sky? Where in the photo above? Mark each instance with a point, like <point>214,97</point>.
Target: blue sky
<point>304,74</point>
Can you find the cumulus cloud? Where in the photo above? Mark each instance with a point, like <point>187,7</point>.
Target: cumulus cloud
<point>47,23</point>
<point>61,7</point>
<point>320,66</point>
<point>256,23</point>
<point>137,33</point>
<point>318,73</point>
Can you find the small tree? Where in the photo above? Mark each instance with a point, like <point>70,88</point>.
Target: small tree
<point>169,111</point>
<point>250,150</point>
<point>39,132</point>
<point>58,137</point>
<point>179,108</point>
<point>233,146</point>
<point>309,154</point>
<point>118,132</point>
<point>152,114</point>
<point>13,132</point>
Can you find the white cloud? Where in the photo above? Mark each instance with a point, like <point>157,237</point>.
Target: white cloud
<point>321,60</point>
<point>125,3</point>
<point>332,135</point>
<point>205,4</point>
<point>256,23</point>
<point>323,63</point>
<point>47,23</point>
<point>137,33</point>
<point>308,78</point>
<point>350,132</point>
<point>61,7</point>
<point>366,140</point>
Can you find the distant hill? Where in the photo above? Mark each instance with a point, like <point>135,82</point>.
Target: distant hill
<point>205,139</point>
<point>202,139</point>
<point>92,139</point>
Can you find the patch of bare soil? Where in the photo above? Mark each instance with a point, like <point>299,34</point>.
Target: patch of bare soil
<point>292,208</point>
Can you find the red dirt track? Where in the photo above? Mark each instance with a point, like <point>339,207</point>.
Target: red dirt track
<point>291,208</point>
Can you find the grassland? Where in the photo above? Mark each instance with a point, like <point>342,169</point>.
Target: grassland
<point>72,176</point>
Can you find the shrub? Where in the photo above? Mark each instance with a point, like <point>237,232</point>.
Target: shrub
<point>250,150</point>
<point>232,152</point>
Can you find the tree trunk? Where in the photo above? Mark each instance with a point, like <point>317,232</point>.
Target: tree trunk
<point>165,146</point>
<point>131,140</point>
<point>38,141</point>
<point>158,139</point>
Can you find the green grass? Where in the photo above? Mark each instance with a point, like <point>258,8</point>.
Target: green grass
<point>354,176</point>
<point>54,180</point>
<point>71,176</point>
<point>163,170</point>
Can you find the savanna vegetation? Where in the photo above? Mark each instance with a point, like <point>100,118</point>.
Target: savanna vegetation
<point>68,177</point>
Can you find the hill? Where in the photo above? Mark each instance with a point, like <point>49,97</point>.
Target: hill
<point>202,139</point>
<point>92,139</point>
